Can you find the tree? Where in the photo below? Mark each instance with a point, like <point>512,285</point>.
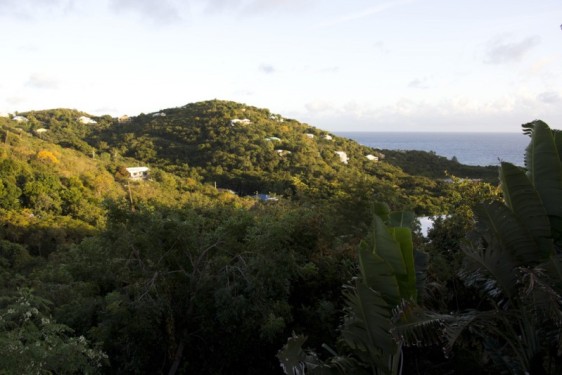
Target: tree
<point>31,342</point>
<point>387,276</point>
<point>515,266</point>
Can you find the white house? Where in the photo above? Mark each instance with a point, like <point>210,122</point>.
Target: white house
<point>159,114</point>
<point>328,137</point>
<point>86,120</point>
<point>123,119</point>
<point>310,135</point>
<point>277,118</point>
<point>41,130</point>
<point>138,173</point>
<point>343,156</point>
<point>282,152</point>
<point>273,139</point>
<point>243,121</point>
<point>372,157</point>
<point>19,119</point>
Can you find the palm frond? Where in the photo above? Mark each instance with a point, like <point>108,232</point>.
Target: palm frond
<point>544,168</point>
<point>366,327</point>
<point>507,233</point>
<point>416,326</point>
<point>520,195</point>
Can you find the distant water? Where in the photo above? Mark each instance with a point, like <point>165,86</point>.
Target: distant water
<point>468,148</point>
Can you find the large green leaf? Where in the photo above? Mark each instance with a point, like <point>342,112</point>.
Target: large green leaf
<point>378,275</point>
<point>407,281</point>
<point>367,327</point>
<point>387,247</point>
<point>544,168</point>
<point>402,219</point>
<point>558,142</point>
<point>494,268</point>
<point>506,232</point>
<point>523,199</point>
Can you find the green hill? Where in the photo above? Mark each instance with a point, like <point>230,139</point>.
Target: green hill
<point>100,273</point>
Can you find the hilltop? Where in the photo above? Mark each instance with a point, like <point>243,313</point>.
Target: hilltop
<point>247,150</point>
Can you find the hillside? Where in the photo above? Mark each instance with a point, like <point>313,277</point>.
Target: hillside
<point>100,273</point>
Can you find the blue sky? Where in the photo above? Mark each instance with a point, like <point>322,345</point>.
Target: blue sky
<point>404,65</point>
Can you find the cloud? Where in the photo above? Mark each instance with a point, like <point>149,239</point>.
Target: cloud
<point>26,8</point>
<point>364,13</point>
<point>501,51</point>
<point>158,11</point>
<point>246,7</point>
<point>41,81</point>
<point>321,107</point>
<point>267,68</point>
<point>449,114</point>
<point>418,83</point>
<point>549,97</point>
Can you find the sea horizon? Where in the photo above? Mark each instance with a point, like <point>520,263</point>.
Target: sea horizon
<point>470,148</point>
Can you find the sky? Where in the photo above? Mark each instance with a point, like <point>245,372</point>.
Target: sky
<point>339,65</point>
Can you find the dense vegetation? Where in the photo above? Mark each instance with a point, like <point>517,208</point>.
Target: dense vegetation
<point>188,271</point>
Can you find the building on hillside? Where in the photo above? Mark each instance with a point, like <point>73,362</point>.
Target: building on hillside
<point>372,157</point>
<point>138,173</point>
<point>282,152</point>
<point>159,114</point>
<point>343,156</point>
<point>273,139</point>
<point>41,130</point>
<point>266,198</point>
<point>310,135</point>
<point>86,120</point>
<point>238,121</point>
<point>123,119</point>
<point>19,119</point>
<point>328,137</point>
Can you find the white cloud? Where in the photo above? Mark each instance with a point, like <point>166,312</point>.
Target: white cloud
<point>501,51</point>
<point>267,68</point>
<point>41,81</point>
<point>364,13</point>
<point>158,11</point>
<point>27,8</point>
<point>549,97</point>
<point>450,114</point>
<point>418,83</point>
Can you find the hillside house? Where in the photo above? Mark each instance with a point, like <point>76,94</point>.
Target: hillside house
<point>159,114</point>
<point>277,118</point>
<point>273,139</point>
<point>19,119</point>
<point>138,173</point>
<point>266,198</point>
<point>41,130</point>
<point>123,119</point>
<point>372,157</point>
<point>328,137</point>
<point>310,135</point>
<point>86,120</point>
<point>343,156</point>
<point>282,152</point>
<point>238,121</point>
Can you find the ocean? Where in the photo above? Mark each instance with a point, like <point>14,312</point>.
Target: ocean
<point>469,148</point>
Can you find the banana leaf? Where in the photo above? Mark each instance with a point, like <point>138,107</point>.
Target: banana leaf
<point>520,195</point>
<point>544,168</point>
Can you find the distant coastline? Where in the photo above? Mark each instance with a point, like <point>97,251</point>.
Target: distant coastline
<point>476,148</point>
